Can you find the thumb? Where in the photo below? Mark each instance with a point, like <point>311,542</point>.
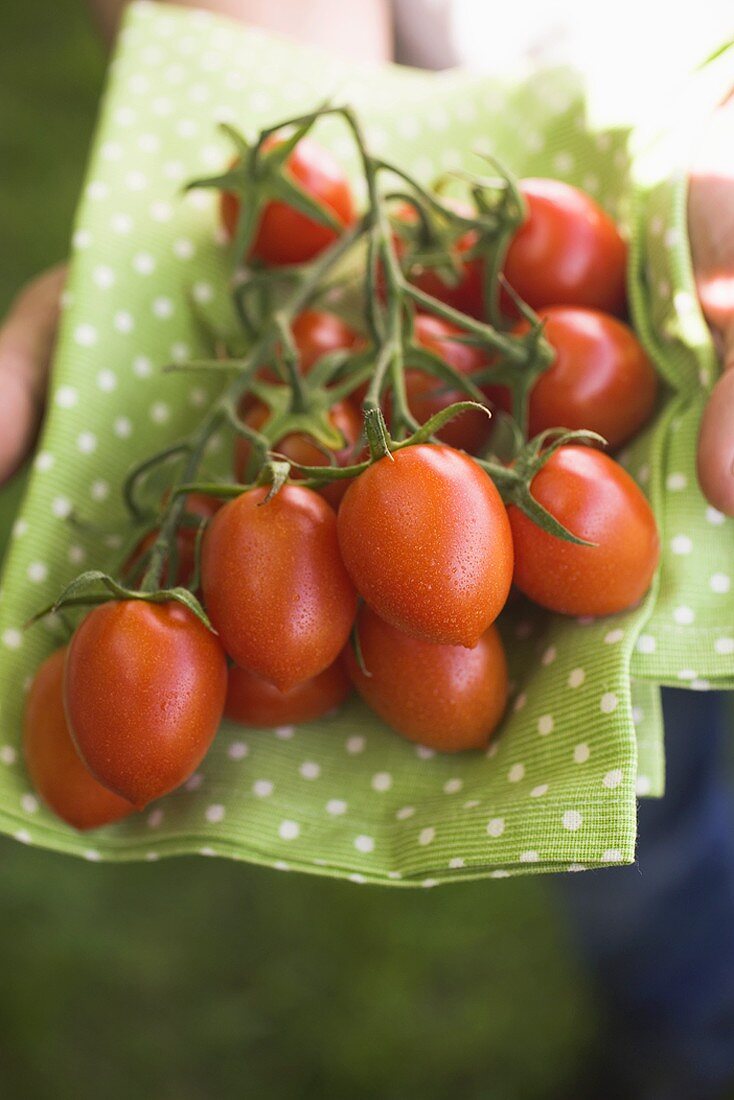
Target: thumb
<point>26,344</point>
<point>716,439</point>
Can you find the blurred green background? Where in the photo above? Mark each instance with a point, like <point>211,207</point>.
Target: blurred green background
<point>199,978</point>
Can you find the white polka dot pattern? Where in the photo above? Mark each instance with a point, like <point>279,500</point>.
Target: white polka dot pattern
<point>343,795</point>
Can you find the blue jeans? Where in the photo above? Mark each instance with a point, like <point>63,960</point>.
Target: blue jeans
<point>659,936</point>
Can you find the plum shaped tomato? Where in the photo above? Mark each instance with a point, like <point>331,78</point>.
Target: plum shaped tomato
<point>300,448</point>
<point>284,235</point>
<point>568,251</point>
<point>427,395</point>
<point>601,378</point>
<point>425,538</point>
<point>54,765</point>
<point>444,696</point>
<point>595,499</point>
<point>144,690</point>
<point>256,702</point>
<point>275,586</point>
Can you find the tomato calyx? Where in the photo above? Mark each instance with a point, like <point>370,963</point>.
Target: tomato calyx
<point>257,177</point>
<point>449,238</point>
<point>430,234</point>
<point>381,444</point>
<point>514,480</point>
<point>95,587</point>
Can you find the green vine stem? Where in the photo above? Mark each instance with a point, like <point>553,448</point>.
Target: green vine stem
<point>297,403</point>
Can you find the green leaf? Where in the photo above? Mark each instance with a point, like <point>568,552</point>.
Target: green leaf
<point>274,473</point>
<point>240,142</point>
<point>542,518</point>
<point>188,599</point>
<point>290,192</point>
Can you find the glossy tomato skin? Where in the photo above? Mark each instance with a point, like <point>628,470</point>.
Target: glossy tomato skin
<point>54,765</point>
<point>275,586</point>
<point>300,448</point>
<point>200,507</point>
<point>447,697</point>
<point>284,235</point>
<point>595,499</point>
<point>144,692</point>
<point>467,293</point>
<point>427,395</point>
<point>425,538</point>
<point>253,701</point>
<point>317,332</point>
<point>601,378</point>
<point>568,251</point>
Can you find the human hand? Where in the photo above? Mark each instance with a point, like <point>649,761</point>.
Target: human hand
<point>26,345</point>
<point>711,232</point>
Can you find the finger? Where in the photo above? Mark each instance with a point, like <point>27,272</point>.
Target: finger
<point>711,232</point>
<point>716,444</point>
<point>711,217</point>
<point>26,344</point>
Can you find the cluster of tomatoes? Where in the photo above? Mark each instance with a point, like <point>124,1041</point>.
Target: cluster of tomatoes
<point>390,581</point>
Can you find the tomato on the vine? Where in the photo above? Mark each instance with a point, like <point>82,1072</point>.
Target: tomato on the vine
<point>275,586</point>
<point>256,702</point>
<point>444,696</point>
<point>466,293</point>
<point>425,538</point>
<point>568,252</point>
<point>601,379</point>
<point>301,448</point>
<point>284,235</point>
<point>199,507</point>
<point>317,332</point>
<point>428,394</point>
<point>54,765</point>
<point>144,691</point>
<point>596,500</point>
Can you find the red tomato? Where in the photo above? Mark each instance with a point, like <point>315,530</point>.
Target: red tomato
<point>425,538</point>
<point>467,293</point>
<point>301,448</point>
<point>53,763</point>
<point>274,584</point>
<point>445,696</point>
<point>568,252</point>
<point>427,395</point>
<point>595,499</point>
<point>197,505</point>
<point>256,702</point>
<point>601,378</point>
<point>284,235</point>
<point>317,332</point>
<point>144,691</point>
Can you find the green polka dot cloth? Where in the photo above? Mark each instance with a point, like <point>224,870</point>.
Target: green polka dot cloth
<point>556,790</point>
